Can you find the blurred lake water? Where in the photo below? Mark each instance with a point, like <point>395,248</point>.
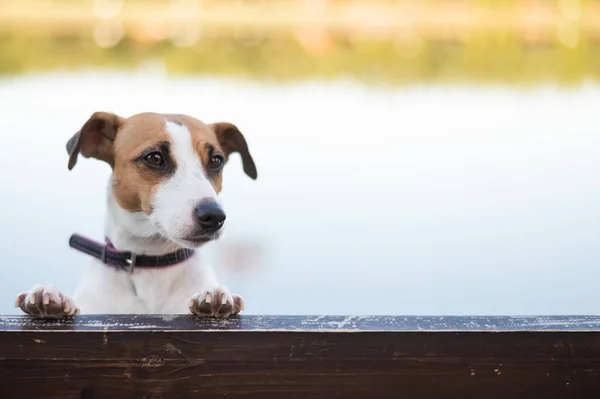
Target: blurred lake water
<point>451,177</point>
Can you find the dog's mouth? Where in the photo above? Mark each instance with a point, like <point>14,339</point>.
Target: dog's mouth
<point>199,239</point>
<point>190,239</point>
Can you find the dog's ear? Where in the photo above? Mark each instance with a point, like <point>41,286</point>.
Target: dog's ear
<point>232,140</point>
<point>95,139</point>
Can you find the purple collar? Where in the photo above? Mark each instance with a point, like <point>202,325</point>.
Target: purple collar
<point>125,260</point>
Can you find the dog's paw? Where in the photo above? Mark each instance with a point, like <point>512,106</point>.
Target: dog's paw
<point>46,302</point>
<point>216,302</point>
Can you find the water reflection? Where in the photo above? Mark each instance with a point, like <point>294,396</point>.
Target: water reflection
<point>430,200</point>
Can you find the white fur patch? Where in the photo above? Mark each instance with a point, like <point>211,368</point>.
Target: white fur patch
<point>176,198</point>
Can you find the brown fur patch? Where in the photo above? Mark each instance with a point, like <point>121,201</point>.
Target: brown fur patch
<point>134,184</point>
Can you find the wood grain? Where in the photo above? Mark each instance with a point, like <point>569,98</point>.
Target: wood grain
<point>300,357</point>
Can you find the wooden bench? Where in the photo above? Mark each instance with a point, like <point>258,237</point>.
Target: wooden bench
<point>321,357</point>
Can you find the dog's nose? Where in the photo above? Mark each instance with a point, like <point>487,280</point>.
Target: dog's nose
<point>209,216</point>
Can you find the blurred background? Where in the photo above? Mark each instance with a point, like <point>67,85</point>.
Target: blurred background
<point>414,157</point>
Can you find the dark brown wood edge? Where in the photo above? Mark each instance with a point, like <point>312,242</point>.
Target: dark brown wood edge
<point>303,323</point>
<point>156,356</point>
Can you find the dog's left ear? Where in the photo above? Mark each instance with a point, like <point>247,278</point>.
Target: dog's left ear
<point>231,140</point>
<point>95,139</point>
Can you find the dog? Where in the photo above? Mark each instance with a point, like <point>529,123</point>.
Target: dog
<point>162,205</point>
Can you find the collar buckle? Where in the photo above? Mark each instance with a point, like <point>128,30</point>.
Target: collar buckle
<point>130,267</point>
<point>103,254</point>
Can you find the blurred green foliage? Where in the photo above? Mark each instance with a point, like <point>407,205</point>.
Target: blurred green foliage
<point>481,59</point>
<point>481,56</point>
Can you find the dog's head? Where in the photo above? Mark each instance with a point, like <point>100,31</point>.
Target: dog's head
<point>168,168</point>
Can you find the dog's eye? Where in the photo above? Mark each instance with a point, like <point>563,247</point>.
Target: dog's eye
<point>216,162</point>
<point>155,159</point>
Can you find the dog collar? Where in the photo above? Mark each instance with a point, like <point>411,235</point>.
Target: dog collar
<point>125,260</point>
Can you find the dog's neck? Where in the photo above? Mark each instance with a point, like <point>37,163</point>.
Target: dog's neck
<point>131,231</point>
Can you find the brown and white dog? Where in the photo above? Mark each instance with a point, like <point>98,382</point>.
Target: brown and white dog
<point>162,201</point>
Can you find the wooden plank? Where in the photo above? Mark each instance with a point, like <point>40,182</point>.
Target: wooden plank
<point>300,357</point>
<point>305,323</point>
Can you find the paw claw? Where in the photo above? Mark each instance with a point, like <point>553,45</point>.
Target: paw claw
<point>46,302</point>
<point>20,299</point>
<point>227,305</point>
<point>239,302</point>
